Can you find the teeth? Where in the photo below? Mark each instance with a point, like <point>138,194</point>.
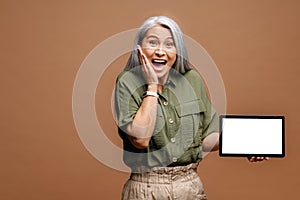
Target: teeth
<point>159,61</point>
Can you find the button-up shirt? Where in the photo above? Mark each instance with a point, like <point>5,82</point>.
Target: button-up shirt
<point>185,117</point>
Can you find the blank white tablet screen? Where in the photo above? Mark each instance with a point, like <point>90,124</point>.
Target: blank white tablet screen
<point>252,136</point>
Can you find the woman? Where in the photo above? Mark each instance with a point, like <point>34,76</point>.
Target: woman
<point>164,116</point>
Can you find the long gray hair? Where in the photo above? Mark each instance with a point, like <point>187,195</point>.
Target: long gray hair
<point>182,62</point>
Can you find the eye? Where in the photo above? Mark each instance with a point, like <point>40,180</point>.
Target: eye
<point>153,43</point>
<point>169,44</point>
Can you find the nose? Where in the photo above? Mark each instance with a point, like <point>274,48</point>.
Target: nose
<point>160,51</point>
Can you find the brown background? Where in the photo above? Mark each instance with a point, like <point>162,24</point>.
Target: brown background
<point>43,43</point>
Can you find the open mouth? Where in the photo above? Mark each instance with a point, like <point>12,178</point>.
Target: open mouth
<point>159,63</point>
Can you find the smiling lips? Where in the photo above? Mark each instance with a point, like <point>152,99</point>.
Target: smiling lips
<point>159,64</point>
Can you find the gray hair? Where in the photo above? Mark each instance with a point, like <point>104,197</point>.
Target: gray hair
<point>182,62</point>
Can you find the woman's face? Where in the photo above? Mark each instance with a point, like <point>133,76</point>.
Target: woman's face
<point>159,48</point>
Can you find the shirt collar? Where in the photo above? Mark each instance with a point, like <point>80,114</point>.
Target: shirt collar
<point>173,78</point>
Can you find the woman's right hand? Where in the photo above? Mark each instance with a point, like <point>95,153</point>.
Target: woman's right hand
<point>148,71</point>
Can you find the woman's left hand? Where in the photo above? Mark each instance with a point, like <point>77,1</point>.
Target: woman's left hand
<point>257,159</point>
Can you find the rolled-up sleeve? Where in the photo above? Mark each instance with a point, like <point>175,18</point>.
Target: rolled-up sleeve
<point>127,100</point>
<point>211,117</point>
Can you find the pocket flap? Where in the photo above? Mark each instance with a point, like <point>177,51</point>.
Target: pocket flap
<point>188,108</point>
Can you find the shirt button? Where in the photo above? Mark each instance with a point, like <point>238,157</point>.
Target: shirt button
<point>171,121</point>
<point>173,139</point>
<point>174,159</point>
<point>165,103</point>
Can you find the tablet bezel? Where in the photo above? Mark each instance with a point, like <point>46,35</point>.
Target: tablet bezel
<point>222,154</point>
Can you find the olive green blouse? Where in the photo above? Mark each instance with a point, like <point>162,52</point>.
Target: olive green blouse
<point>184,118</point>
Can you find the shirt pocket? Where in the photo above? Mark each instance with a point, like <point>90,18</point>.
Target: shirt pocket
<point>190,116</point>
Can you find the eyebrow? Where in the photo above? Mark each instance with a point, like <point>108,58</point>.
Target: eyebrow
<point>155,36</point>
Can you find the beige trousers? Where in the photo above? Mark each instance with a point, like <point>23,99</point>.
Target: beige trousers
<point>165,183</point>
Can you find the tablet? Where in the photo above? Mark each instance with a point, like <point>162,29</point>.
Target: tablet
<point>260,136</point>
